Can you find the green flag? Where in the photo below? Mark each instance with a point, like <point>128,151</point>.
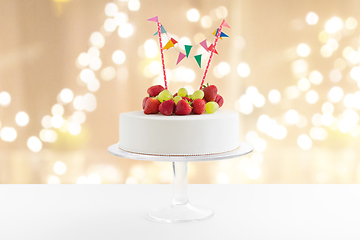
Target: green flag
<point>198,59</point>
<point>187,49</point>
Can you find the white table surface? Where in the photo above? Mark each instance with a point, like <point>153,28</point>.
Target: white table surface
<point>104,212</point>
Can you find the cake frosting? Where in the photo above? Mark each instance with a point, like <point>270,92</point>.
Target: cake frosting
<point>157,134</point>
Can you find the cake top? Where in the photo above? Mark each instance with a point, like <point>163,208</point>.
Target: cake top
<point>182,103</point>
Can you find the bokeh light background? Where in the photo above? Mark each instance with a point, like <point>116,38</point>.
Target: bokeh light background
<point>69,67</point>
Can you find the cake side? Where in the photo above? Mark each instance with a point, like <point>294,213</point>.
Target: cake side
<point>173,135</point>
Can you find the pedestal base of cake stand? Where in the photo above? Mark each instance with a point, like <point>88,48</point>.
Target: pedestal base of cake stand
<point>180,209</point>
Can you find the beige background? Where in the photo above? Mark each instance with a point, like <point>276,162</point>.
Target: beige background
<point>40,44</point>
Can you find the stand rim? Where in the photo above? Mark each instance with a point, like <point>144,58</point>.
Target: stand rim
<point>245,148</point>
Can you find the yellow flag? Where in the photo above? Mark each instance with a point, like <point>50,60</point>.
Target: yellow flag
<point>169,44</point>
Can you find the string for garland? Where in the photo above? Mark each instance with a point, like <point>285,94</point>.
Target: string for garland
<point>211,55</point>
<point>162,53</point>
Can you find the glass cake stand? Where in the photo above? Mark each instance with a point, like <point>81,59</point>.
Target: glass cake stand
<point>180,209</point>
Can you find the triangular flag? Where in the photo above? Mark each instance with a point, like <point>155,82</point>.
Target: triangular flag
<point>204,45</point>
<point>180,57</point>
<point>153,19</point>
<point>173,41</point>
<point>168,45</point>
<point>224,24</point>
<point>198,59</point>
<point>216,32</point>
<point>162,30</point>
<point>187,49</point>
<point>211,48</point>
<point>223,35</point>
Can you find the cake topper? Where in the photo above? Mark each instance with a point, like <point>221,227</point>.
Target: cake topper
<point>172,42</point>
<point>181,103</point>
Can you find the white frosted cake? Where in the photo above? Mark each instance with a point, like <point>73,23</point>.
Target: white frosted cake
<point>157,134</point>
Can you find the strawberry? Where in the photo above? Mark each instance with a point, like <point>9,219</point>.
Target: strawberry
<point>187,99</point>
<point>151,106</point>
<point>153,91</point>
<point>144,101</point>
<point>220,100</point>
<point>175,95</point>
<point>198,106</point>
<point>167,107</point>
<point>210,93</point>
<point>182,108</point>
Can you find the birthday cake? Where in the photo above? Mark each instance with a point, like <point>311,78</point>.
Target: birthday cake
<point>183,123</point>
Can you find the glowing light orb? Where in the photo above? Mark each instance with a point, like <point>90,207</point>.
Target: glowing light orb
<point>111,9</point>
<point>66,95</point>
<point>315,77</point>
<point>57,121</point>
<point>74,128</point>
<point>327,107</point>
<point>351,23</point>
<point>243,69</point>
<point>253,172</point>
<point>8,134</point>
<point>304,142</point>
<point>335,94</point>
<point>303,50</point>
<point>333,25</point>
<point>120,18</point>
<point>108,73</point>
<point>312,18</point>
<point>97,39</point>
<point>110,25</point>
<point>57,109</point>
<point>206,22</point>
<point>304,84</point>
<point>22,119</point>
<point>119,57</point>
<point>59,168</point>
<point>193,15</point>
<point>125,30</point>
<point>34,144</point>
<point>5,99</point>
<point>274,96</point>
<point>134,5</point>
<point>312,96</point>
<point>292,116</point>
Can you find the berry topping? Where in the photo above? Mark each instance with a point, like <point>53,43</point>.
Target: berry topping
<point>198,106</point>
<point>176,99</point>
<point>182,92</point>
<point>167,107</point>
<point>153,91</point>
<point>210,93</point>
<point>187,99</point>
<point>182,108</point>
<point>220,100</point>
<point>164,96</point>
<point>211,107</point>
<point>144,101</point>
<point>151,106</point>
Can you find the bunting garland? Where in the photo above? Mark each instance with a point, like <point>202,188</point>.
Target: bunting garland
<point>171,43</point>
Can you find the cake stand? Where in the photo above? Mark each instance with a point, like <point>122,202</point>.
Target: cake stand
<point>180,209</point>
